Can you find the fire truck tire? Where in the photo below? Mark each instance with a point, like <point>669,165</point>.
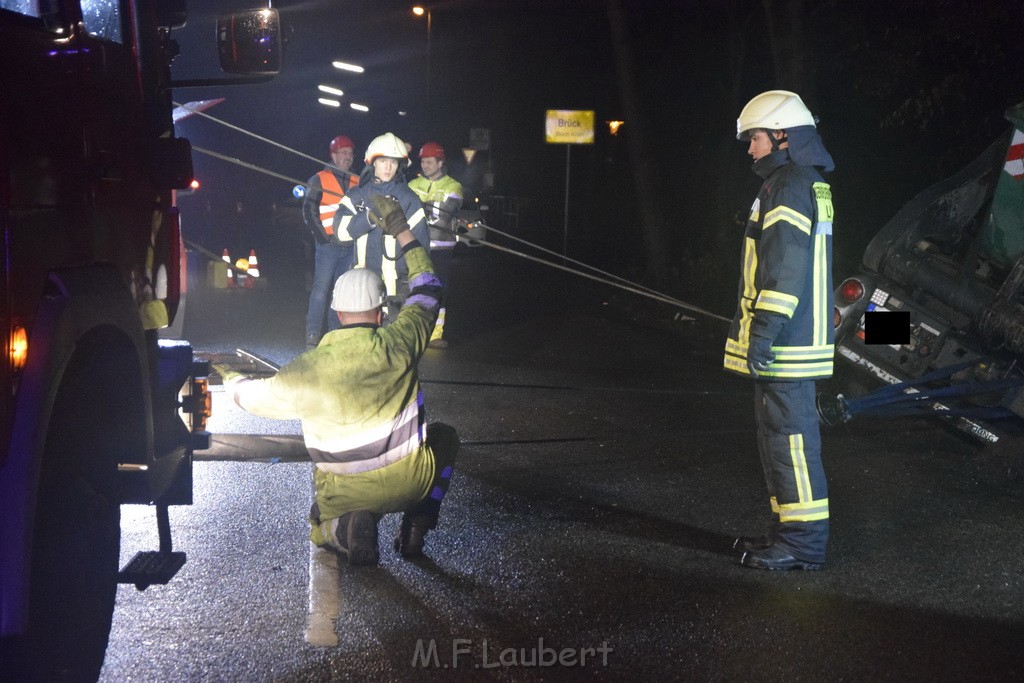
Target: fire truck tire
<point>77,530</point>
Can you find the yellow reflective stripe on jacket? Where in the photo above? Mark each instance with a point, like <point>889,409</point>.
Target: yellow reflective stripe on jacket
<point>749,286</point>
<point>815,352</point>
<point>797,370</point>
<point>749,268</point>
<point>821,288</point>
<point>789,363</point>
<point>784,213</point>
<point>825,215</point>
<point>779,302</point>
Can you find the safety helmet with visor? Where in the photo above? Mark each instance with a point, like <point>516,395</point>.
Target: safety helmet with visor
<point>773,110</point>
<point>387,145</point>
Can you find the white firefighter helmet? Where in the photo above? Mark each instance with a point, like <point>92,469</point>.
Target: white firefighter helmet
<point>773,110</point>
<point>358,290</point>
<point>387,145</point>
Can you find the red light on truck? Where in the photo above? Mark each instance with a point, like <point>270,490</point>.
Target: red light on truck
<point>851,291</point>
<point>837,318</point>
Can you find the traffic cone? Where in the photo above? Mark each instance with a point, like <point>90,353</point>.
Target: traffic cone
<point>231,274</point>
<point>254,268</point>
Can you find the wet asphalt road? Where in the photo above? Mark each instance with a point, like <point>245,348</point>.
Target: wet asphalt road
<point>607,465</point>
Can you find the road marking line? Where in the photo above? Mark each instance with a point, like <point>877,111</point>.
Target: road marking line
<point>324,598</point>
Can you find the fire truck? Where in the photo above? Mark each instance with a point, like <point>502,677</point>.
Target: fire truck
<point>942,284</point>
<point>96,409</point>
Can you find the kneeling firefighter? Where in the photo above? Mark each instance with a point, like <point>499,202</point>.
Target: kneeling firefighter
<point>358,397</point>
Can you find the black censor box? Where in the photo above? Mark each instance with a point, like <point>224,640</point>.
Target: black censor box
<point>887,327</point>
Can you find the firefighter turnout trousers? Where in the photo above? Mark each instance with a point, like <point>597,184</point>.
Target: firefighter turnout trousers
<point>789,440</point>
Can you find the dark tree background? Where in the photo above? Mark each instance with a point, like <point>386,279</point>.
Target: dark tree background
<point>907,93</point>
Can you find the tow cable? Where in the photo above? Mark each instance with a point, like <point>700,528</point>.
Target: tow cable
<point>595,274</point>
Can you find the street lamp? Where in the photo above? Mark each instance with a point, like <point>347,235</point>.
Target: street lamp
<point>419,11</point>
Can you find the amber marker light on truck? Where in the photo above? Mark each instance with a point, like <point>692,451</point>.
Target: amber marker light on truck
<point>200,403</point>
<point>17,348</point>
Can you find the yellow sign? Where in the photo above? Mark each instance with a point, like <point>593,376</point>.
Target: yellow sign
<point>567,126</point>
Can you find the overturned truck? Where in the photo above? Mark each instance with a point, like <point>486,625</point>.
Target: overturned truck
<point>942,284</point>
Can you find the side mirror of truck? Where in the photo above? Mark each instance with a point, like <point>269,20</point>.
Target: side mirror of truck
<point>250,42</point>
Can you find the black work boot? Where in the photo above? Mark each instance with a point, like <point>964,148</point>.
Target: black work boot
<point>745,544</point>
<point>775,558</point>
<point>357,538</point>
<point>409,541</point>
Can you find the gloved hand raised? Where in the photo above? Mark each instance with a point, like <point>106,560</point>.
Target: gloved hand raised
<point>759,354</point>
<point>387,215</point>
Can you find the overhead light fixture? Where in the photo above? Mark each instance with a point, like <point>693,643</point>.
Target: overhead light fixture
<point>419,11</point>
<point>329,102</point>
<point>359,107</point>
<point>329,90</point>
<point>401,113</point>
<point>345,66</point>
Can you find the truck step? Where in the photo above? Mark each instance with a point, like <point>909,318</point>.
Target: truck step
<point>151,566</point>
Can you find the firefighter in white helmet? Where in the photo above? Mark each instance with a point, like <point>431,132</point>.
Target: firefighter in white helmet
<point>385,158</point>
<point>358,397</point>
<point>782,334</point>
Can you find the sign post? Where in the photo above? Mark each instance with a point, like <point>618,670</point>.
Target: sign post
<point>568,127</point>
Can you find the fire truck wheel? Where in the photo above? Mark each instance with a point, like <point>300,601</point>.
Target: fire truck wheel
<point>77,532</point>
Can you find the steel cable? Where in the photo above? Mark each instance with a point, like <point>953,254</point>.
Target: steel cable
<point>615,280</point>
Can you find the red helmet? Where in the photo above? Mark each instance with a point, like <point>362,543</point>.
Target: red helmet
<point>339,142</point>
<point>432,149</point>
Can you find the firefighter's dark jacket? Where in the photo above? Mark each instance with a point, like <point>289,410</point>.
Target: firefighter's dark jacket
<point>374,249</point>
<point>785,290</point>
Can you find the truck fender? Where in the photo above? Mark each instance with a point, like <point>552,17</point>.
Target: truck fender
<point>79,307</point>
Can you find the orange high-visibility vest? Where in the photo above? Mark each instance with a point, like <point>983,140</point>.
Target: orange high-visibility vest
<point>330,199</point>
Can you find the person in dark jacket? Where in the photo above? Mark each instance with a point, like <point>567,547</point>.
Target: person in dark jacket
<point>385,157</point>
<point>782,334</point>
